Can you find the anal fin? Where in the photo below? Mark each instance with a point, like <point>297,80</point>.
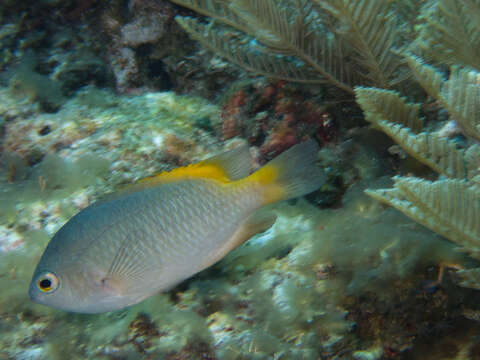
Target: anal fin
<point>256,223</point>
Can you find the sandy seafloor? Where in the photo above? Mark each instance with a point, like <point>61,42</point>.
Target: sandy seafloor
<point>338,276</point>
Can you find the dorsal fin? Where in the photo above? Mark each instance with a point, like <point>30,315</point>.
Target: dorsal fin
<point>235,163</point>
<point>228,166</point>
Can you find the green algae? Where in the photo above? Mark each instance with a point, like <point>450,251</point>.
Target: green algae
<point>52,179</point>
<point>25,81</point>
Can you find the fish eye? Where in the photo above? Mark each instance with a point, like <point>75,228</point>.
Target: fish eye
<point>47,282</point>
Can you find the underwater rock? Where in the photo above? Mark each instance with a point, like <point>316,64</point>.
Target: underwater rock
<point>274,117</point>
<point>84,69</point>
<point>125,68</point>
<point>144,28</point>
<point>143,35</point>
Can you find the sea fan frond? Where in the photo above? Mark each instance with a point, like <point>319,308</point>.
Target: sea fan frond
<point>449,32</point>
<point>362,55</point>
<point>470,278</point>
<point>388,112</point>
<point>449,207</point>
<point>380,104</point>
<point>216,9</point>
<point>460,94</point>
<point>314,59</point>
<point>244,55</point>
<point>369,27</point>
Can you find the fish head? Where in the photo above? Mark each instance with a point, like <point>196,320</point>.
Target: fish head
<point>78,290</point>
<point>73,272</point>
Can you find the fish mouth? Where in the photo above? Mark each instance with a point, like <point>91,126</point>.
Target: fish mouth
<point>34,295</point>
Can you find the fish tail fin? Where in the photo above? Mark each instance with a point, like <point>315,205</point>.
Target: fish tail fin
<point>291,174</point>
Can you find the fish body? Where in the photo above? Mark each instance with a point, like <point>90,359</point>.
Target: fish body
<point>117,252</point>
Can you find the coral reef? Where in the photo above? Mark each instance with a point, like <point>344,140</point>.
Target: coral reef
<point>303,289</point>
<point>339,275</point>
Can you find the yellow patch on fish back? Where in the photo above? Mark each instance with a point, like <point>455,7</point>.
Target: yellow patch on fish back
<point>201,170</point>
<point>224,168</point>
<point>267,177</point>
